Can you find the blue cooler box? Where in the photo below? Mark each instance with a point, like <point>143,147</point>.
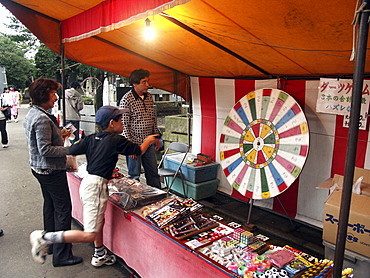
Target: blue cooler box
<point>196,191</point>
<point>192,173</point>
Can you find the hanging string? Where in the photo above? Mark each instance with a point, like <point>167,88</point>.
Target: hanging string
<point>354,23</point>
<point>60,70</point>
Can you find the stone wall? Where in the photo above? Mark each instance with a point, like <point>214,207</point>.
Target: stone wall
<point>176,129</point>
<point>166,108</point>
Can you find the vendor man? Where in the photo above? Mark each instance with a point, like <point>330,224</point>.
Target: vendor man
<point>139,123</point>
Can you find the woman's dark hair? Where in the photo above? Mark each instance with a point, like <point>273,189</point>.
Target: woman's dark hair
<point>137,75</point>
<point>39,90</point>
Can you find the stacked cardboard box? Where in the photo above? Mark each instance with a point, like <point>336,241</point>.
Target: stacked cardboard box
<point>358,231</point>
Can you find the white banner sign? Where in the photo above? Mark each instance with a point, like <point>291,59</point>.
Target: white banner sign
<point>335,95</point>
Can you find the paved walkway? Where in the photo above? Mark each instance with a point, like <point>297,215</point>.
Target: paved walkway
<point>21,213</point>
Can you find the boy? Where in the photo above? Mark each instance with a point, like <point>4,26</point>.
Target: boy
<point>101,151</point>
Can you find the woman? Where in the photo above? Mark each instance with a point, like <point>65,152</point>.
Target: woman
<point>15,97</point>
<point>48,165</point>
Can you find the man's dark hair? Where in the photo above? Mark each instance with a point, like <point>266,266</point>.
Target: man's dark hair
<point>75,85</point>
<point>137,75</point>
<point>39,90</point>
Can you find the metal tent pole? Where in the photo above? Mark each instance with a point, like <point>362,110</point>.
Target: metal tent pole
<point>358,77</point>
<point>63,77</point>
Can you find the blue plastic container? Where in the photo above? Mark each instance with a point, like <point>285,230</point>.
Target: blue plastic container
<point>192,173</point>
<point>197,191</point>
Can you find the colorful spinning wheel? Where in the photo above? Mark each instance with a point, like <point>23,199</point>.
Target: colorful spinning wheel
<point>264,143</point>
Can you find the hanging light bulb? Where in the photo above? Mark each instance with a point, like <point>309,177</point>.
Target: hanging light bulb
<point>149,32</point>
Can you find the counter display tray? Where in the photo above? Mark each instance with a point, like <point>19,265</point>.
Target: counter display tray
<point>129,193</point>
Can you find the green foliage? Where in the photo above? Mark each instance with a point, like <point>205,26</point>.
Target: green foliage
<point>87,100</point>
<point>47,63</point>
<point>19,70</point>
<point>22,36</point>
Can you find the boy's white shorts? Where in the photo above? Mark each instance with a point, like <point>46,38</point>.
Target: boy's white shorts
<point>94,196</point>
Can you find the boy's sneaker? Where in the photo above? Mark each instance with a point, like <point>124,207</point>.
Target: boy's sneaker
<point>39,246</point>
<point>5,146</point>
<point>101,260</point>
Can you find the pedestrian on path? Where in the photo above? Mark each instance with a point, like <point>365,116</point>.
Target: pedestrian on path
<point>74,104</point>
<point>4,133</point>
<point>102,150</point>
<point>48,165</point>
<point>6,101</point>
<point>15,97</point>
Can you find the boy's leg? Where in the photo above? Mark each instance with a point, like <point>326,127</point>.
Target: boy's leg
<point>41,240</point>
<point>94,196</point>
<point>101,256</point>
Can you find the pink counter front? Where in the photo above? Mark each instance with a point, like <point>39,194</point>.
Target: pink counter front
<point>143,247</point>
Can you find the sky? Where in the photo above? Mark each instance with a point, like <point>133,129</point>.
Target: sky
<point>4,13</point>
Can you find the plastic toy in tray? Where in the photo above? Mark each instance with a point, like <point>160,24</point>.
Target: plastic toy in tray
<point>173,211</point>
<point>141,193</point>
<point>148,209</point>
<point>189,226</point>
<point>206,237</point>
<point>299,253</point>
<point>116,174</point>
<point>281,257</point>
<point>167,214</point>
<point>193,206</point>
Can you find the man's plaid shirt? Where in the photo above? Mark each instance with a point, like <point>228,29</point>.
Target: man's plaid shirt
<point>141,121</point>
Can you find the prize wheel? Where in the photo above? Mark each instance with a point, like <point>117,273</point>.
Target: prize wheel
<point>264,143</point>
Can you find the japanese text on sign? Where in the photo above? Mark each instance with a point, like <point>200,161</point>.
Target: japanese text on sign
<point>354,227</point>
<point>335,96</point>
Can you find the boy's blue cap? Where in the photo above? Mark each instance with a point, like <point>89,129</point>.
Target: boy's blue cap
<point>107,113</point>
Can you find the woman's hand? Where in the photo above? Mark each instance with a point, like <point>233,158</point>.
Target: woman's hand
<point>66,132</point>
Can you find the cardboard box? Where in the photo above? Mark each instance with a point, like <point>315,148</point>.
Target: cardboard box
<point>358,231</point>
<point>192,173</point>
<point>196,191</point>
<point>338,179</point>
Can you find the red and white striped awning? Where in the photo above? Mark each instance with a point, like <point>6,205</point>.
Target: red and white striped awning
<point>110,15</point>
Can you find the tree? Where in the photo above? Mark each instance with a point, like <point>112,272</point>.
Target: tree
<point>19,70</point>
<point>22,36</point>
<point>47,63</point>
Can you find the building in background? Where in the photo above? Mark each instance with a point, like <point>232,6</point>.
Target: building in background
<point>3,81</point>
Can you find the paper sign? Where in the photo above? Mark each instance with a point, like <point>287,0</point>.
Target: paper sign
<point>335,96</point>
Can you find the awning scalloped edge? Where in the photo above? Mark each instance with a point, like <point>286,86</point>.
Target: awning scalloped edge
<point>68,23</point>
